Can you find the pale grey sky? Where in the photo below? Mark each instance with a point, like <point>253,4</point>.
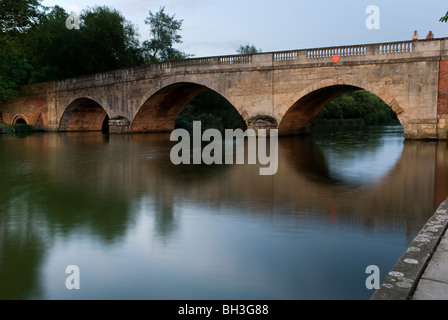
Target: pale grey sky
<point>213,27</point>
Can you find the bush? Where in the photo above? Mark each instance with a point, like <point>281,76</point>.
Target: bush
<point>213,111</point>
<point>15,128</point>
<point>358,105</point>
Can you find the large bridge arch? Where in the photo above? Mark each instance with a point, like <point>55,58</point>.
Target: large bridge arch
<point>160,108</point>
<point>84,114</point>
<point>296,114</point>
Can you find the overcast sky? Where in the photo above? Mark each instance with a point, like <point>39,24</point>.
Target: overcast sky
<point>212,27</point>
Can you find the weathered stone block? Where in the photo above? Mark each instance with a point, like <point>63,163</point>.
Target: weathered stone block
<point>119,125</point>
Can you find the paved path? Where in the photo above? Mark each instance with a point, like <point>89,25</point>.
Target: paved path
<point>422,271</point>
<point>433,284</point>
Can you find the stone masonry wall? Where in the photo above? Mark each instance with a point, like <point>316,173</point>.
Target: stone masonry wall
<point>442,104</point>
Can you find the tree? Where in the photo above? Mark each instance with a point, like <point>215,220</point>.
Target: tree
<point>164,34</point>
<point>445,18</point>
<point>17,17</point>
<point>359,105</point>
<point>55,48</point>
<point>109,40</point>
<point>104,42</point>
<point>213,110</point>
<point>248,49</point>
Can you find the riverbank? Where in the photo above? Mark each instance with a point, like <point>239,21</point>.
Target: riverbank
<point>15,128</point>
<point>420,273</point>
<point>320,122</point>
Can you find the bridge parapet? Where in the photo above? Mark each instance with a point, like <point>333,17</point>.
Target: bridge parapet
<point>369,53</point>
<point>361,50</point>
<point>348,51</point>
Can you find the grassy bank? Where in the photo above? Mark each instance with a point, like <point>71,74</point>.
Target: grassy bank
<point>15,128</point>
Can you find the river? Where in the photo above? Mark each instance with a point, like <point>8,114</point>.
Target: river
<point>138,227</point>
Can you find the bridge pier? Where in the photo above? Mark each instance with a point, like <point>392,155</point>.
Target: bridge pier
<point>262,122</point>
<point>425,129</point>
<point>119,125</point>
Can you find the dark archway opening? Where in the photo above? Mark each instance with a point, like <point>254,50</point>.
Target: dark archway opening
<point>343,102</point>
<point>159,112</point>
<point>213,111</point>
<point>84,115</point>
<point>20,121</point>
<point>105,126</point>
<point>178,105</point>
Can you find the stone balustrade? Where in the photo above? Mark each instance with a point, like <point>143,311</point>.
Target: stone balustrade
<point>368,53</point>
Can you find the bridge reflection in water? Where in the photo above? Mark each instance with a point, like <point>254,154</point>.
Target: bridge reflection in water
<point>59,189</point>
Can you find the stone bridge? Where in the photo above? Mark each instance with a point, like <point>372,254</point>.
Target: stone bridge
<point>283,90</point>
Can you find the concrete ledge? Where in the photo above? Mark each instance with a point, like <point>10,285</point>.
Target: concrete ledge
<point>433,284</point>
<point>402,280</point>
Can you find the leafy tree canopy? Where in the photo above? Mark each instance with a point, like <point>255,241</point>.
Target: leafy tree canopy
<point>358,105</point>
<point>105,41</point>
<point>17,18</point>
<point>164,31</point>
<point>248,49</point>
<point>445,18</point>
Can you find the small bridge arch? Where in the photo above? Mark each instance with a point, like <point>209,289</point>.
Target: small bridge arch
<point>20,119</point>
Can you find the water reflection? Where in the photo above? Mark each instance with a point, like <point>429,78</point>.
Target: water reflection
<point>363,158</point>
<point>117,203</point>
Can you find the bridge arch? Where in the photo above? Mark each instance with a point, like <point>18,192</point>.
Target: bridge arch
<point>160,109</point>
<point>296,115</point>
<point>84,114</point>
<point>20,119</point>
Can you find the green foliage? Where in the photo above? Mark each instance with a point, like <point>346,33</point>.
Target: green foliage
<point>445,18</point>
<point>17,18</point>
<point>213,111</point>
<point>14,69</point>
<point>248,49</point>
<point>105,41</point>
<point>362,106</point>
<point>15,128</point>
<point>164,35</point>
<point>109,40</point>
<point>36,46</point>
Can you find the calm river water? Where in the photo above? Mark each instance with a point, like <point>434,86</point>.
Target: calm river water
<point>139,227</point>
